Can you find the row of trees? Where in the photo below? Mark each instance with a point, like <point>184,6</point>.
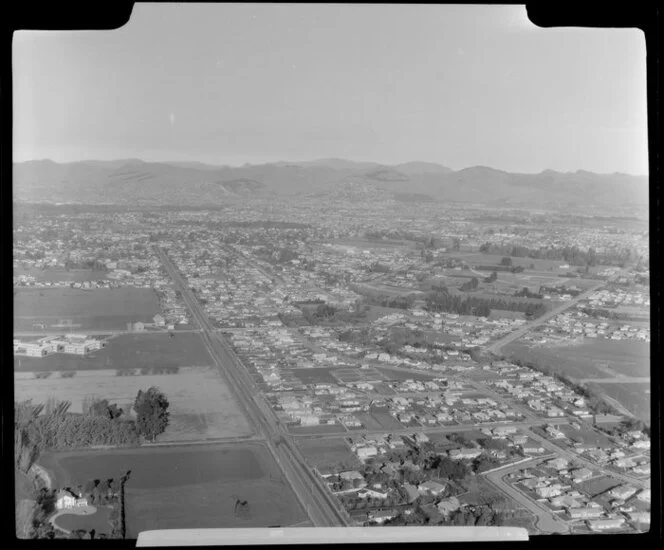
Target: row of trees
<point>40,428</point>
<point>443,301</point>
<point>570,254</point>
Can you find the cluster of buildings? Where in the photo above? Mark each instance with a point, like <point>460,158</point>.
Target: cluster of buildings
<point>74,344</point>
<point>574,326</point>
<point>571,492</point>
<point>542,394</point>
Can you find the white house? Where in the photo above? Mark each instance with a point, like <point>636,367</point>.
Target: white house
<point>66,499</point>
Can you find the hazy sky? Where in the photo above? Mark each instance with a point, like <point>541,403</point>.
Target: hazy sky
<point>229,84</point>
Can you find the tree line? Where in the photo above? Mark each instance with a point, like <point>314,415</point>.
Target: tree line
<point>52,427</point>
<point>570,254</point>
<point>438,301</point>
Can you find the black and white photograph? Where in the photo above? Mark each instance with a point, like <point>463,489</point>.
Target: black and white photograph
<point>280,269</point>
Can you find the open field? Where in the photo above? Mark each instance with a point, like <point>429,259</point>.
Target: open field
<point>201,405</point>
<point>598,485</point>
<point>594,358</point>
<point>320,375</point>
<point>325,454</point>
<point>634,396</point>
<point>587,436</point>
<point>128,351</point>
<point>99,309</point>
<point>188,487</point>
<point>399,375</point>
<point>318,430</point>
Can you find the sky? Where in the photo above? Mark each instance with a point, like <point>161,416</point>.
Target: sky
<point>241,83</point>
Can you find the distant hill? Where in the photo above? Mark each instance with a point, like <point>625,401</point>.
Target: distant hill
<point>132,181</point>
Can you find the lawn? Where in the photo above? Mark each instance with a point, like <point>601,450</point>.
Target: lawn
<point>399,375</point>
<point>99,309</point>
<point>192,487</point>
<point>201,405</point>
<point>128,351</point>
<point>99,521</point>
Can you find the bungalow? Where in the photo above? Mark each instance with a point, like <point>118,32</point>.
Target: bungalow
<point>448,505</point>
<point>431,487</point>
<point>622,492</point>
<point>604,524</point>
<point>369,493</point>
<point>582,474</point>
<point>380,516</point>
<point>585,513</point>
<point>411,491</point>
<point>640,517</point>
<point>558,463</point>
<point>461,454</point>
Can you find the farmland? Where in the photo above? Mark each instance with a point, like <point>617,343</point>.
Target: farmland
<point>201,405</point>
<point>128,351</point>
<point>592,359</point>
<point>99,309</point>
<point>192,487</point>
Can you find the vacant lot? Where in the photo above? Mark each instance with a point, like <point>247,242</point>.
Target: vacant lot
<point>587,436</point>
<point>326,454</point>
<point>594,358</point>
<point>128,351</point>
<point>320,375</point>
<point>598,485</point>
<point>201,405</point>
<point>192,487</point>
<point>634,396</point>
<point>99,309</point>
<point>399,375</point>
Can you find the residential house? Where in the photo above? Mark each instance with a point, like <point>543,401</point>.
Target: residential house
<point>448,505</point>
<point>605,524</point>
<point>68,499</point>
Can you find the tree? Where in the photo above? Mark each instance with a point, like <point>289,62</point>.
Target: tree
<point>506,261</point>
<point>152,414</point>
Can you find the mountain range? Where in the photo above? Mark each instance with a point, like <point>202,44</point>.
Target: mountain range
<point>133,181</point>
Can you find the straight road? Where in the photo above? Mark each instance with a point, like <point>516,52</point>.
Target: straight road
<point>319,504</point>
<point>425,429</point>
<point>498,344</point>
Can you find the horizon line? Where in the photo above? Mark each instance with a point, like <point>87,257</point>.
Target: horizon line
<point>300,162</point>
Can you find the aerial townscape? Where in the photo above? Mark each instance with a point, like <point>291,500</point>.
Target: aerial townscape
<point>335,272</point>
<point>350,356</point>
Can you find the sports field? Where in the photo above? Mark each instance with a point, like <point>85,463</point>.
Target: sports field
<point>128,351</point>
<point>98,309</point>
<point>201,405</point>
<point>188,487</point>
